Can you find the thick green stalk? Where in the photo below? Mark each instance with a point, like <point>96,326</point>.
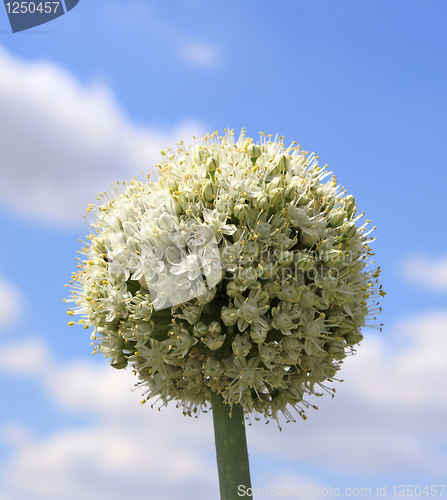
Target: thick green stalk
<point>231,449</point>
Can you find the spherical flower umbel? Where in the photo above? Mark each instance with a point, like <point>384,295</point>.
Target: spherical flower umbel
<point>239,271</point>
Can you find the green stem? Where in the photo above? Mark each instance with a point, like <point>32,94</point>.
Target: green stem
<point>231,449</point>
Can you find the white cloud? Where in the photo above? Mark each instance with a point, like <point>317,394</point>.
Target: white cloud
<point>200,53</point>
<point>111,462</point>
<point>426,272</point>
<point>287,484</point>
<point>62,142</point>
<point>387,417</point>
<point>27,358</point>
<point>9,303</point>
<point>128,450</point>
<point>144,16</point>
<point>416,375</point>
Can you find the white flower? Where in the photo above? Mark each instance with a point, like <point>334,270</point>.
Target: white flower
<point>241,271</point>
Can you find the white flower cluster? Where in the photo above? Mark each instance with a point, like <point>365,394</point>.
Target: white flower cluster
<point>239,271</point>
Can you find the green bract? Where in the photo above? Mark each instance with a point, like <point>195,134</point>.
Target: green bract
<point>239,271</point>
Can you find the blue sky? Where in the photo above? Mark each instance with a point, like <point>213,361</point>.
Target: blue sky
<point>93,97</point>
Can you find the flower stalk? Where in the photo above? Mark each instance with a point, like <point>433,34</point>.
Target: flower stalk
<point>241,274</point>
<point>231,448</point>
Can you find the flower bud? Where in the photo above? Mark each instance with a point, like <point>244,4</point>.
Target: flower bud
<point>262,201</point>
<point>276,197</point>
<point>336,218</point>
<point>350,205</point>
<point>258,334</point>
<point>211,164</point>
<point>342,268</point>
<point>199,329</point>
<point>335,318</point>
<point>241,211</point>
<point>348,229</point>
<point>319,190</point>
<point>119,362</point>
<point>283,242</point>
<point>303,200</point>
<point>198,153</point>
<point>254,151</point>
<point>209,191</point>
<point>284,258</point>
<point>347,327</point>
<point>282,163</point>
<point>192,314</point>
<point>290,191</point>
<point>353,338</point>
<point>303,261</point>
<point>294,395</point>
<point>291,348</point>
<point>276,183</point>
<point>331,257</point>
<point>309,239</point>
<point>336,347</point>
<point>328,203</point>
<point>262,298</point>
<point>166,222</point>
<point>173,206</point>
